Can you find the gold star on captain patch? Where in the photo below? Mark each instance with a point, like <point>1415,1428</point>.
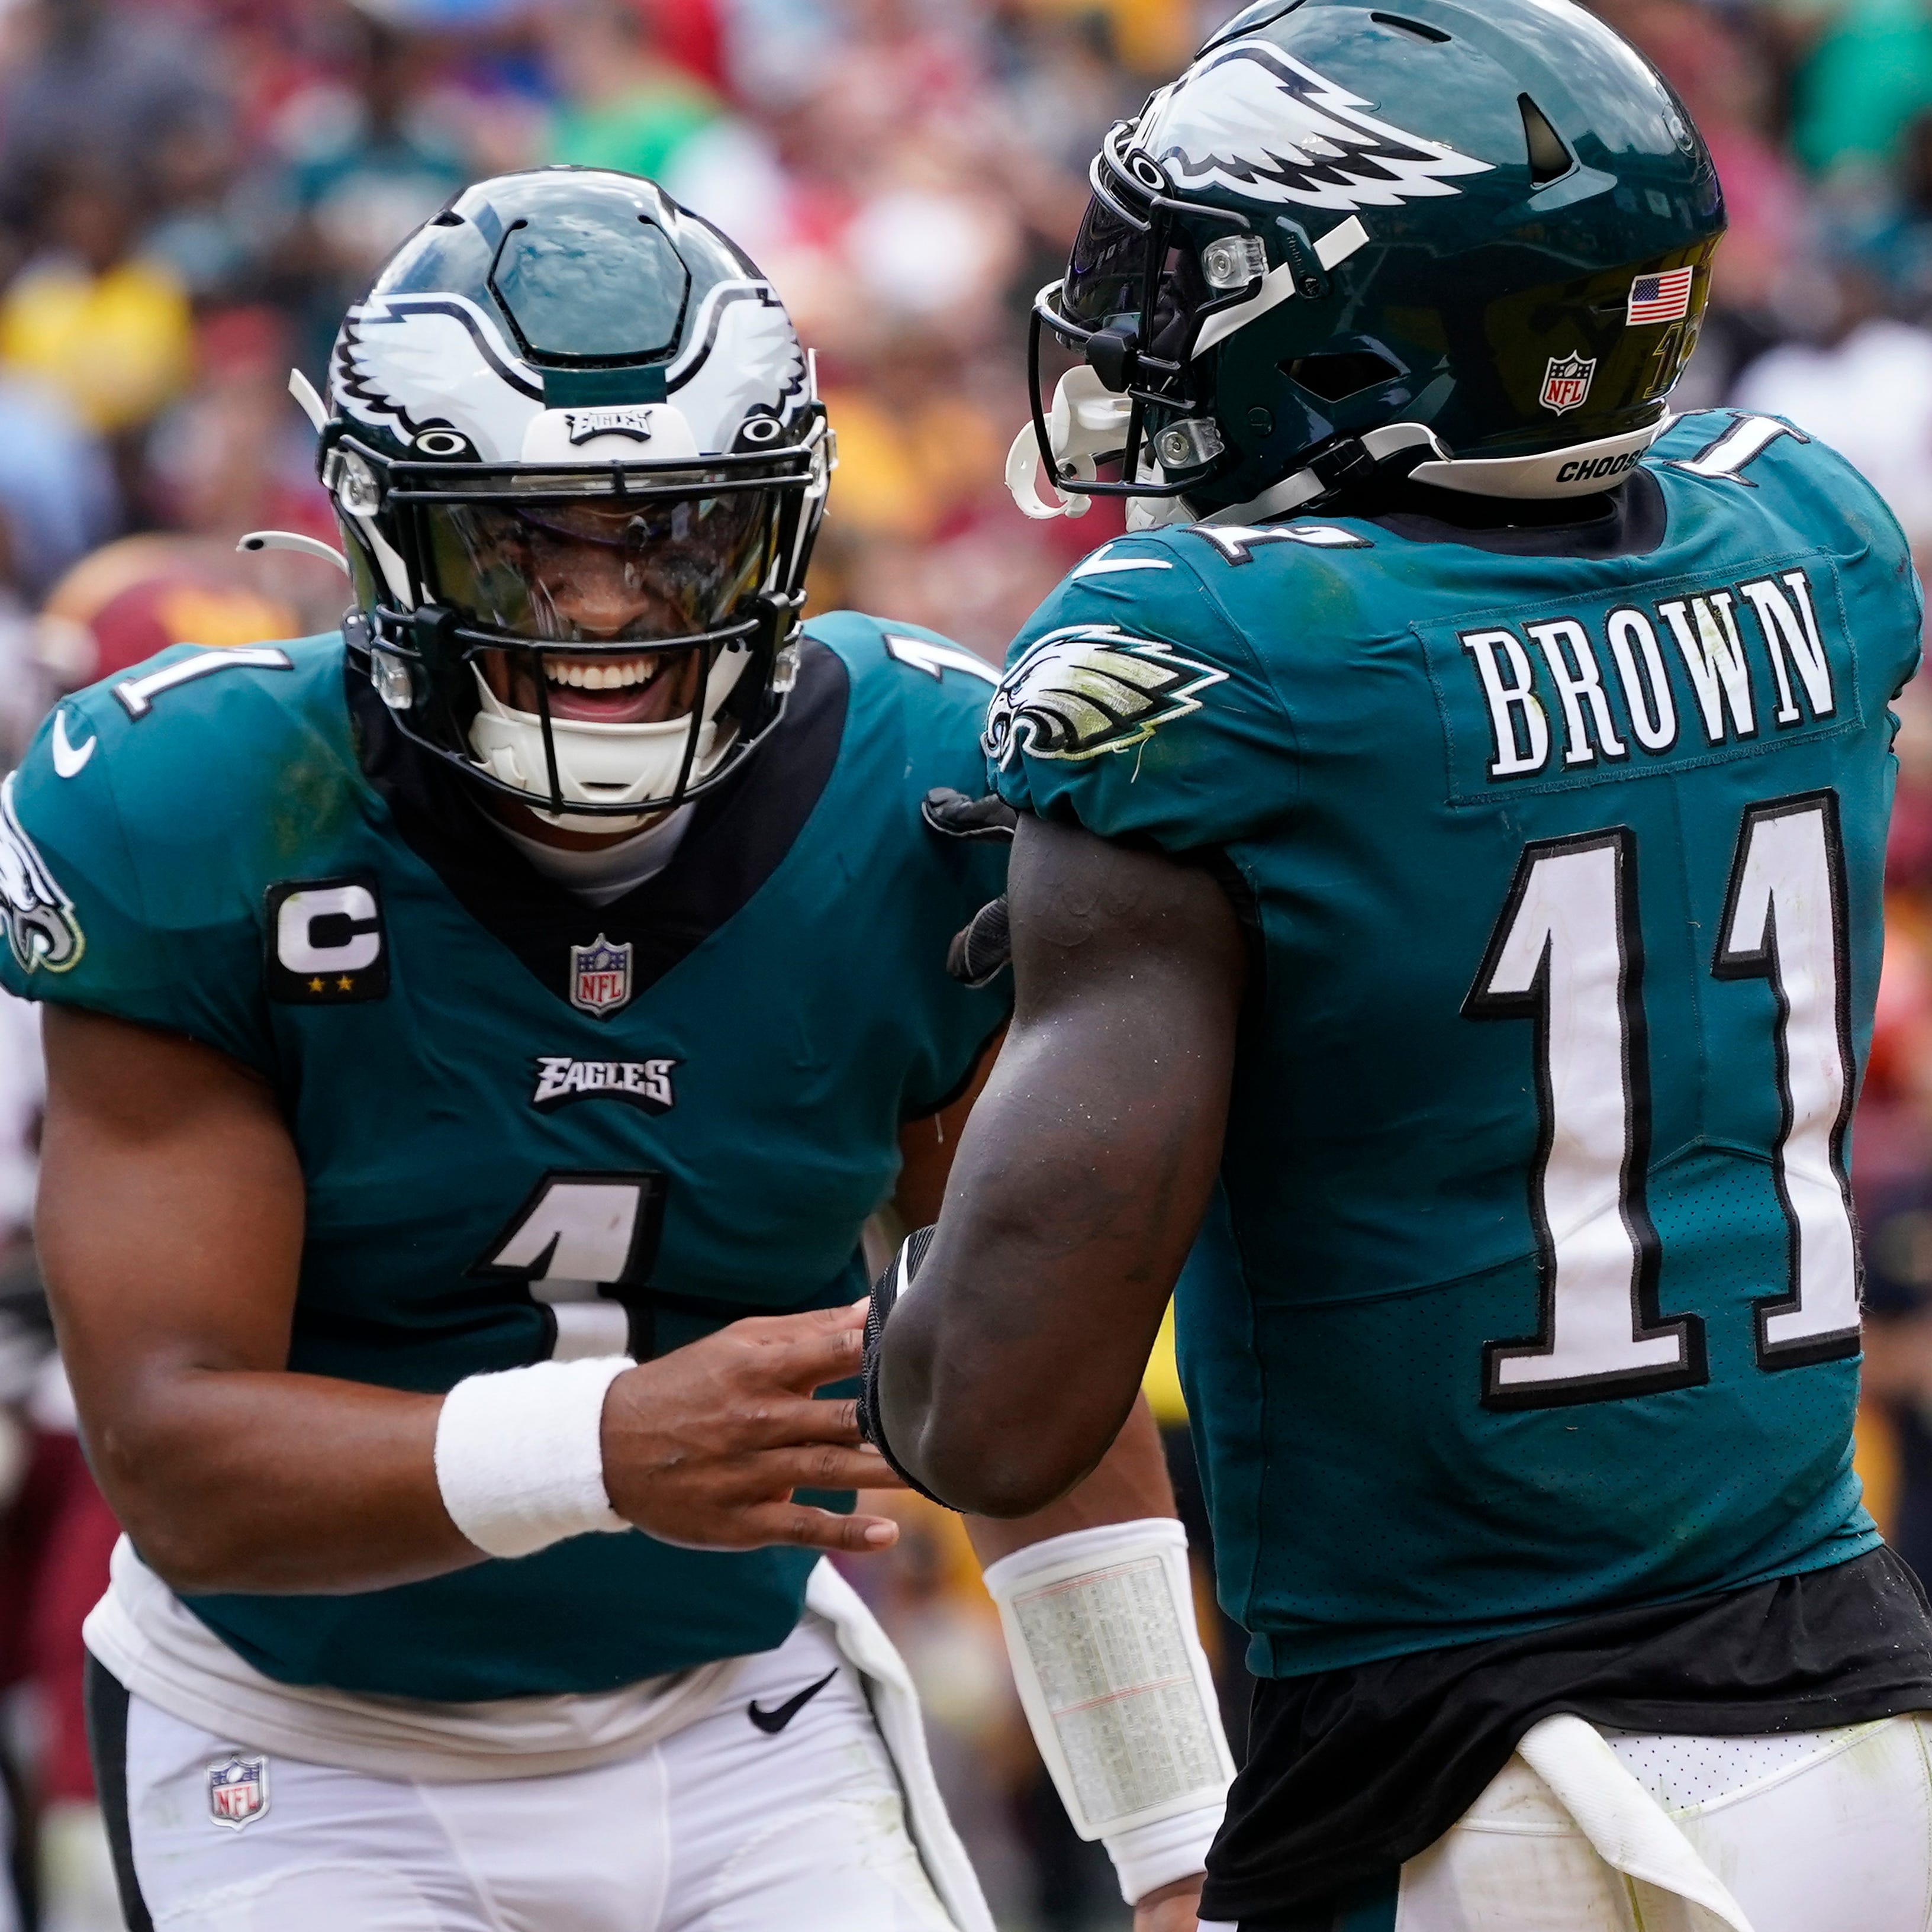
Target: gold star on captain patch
<point>315,985</point>
<point>345,984</point>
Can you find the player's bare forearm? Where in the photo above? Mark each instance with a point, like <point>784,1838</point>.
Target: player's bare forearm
<point>1130,1484</point>
<point>1131,1480</point>
<point>1081,1180</point>
<point>170,1227</point>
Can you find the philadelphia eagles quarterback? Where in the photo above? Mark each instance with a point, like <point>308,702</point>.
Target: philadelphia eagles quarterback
<point>476,1042</point>
<point>1451,832</point>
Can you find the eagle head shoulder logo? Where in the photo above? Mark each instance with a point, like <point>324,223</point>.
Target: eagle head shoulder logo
<point>1088,688</point>
<point>42,928</point>
<point>1566,383</point>
<point>237,1790</point>
<point>600,977</point>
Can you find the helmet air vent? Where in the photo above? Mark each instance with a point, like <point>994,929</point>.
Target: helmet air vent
<point>1548,158</point>
<point>1415,27</point>
<point>1332,377</point>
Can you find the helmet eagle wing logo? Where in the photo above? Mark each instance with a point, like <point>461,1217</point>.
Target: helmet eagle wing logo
<point>1088,688</point>
<point>743,362</point>
<point>436,361</point>
<point>1253,120</point>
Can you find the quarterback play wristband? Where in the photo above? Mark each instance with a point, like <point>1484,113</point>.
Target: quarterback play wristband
<point>519,1455</point>
<point>1100,1626</point>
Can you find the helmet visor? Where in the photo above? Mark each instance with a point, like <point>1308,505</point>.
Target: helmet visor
<point>1107,270</point>
<point>600,573</point>
<point>1106,280</point>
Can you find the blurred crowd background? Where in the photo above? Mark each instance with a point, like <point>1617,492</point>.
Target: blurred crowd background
<point>191,191</point>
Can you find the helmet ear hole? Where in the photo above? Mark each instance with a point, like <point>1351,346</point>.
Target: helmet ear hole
<point>1332,377</point>
<point>1548,158</point>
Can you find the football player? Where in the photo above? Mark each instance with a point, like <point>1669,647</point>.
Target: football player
<point>476,1042</point>
<point>1448,877</point>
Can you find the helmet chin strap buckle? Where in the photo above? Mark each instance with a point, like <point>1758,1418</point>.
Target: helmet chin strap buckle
<point>1354,460</point>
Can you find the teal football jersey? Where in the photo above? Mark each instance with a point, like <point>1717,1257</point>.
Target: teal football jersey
<point>1532,1288</point>
<point>528,1126</point>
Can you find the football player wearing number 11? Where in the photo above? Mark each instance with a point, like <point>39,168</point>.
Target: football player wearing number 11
<point>1448,882</point>
<point>475,1045</point>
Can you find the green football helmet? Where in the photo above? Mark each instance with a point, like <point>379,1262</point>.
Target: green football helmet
<point>1353,240</point>
<point>578,460</point>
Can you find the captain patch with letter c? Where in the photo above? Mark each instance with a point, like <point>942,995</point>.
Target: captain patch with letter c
<point>327,946</point>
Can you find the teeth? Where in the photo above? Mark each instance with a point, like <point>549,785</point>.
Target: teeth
<point>600,674</point>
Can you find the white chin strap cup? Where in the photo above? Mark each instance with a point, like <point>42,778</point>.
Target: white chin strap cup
<point>1087,420</point>
<point>601,764</point>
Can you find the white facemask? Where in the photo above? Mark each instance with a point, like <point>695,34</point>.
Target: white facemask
<point>604,764</point>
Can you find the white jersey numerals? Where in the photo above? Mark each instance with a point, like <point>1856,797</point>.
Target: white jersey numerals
<point>1567,954</point>
<point>1784,921</point>
<point>584,1244</point>
<point>137,695</point>
<point>1746,438</point>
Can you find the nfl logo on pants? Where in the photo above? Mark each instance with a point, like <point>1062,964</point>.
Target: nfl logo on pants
<point>600,976</point>
<point>237,1790</point>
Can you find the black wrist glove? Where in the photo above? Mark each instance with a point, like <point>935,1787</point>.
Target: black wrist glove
<point>953,815</point>
<point>897,1278</point>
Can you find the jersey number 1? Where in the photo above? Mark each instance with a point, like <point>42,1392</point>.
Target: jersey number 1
<point>1567,954</point>
<point>583,1245</point>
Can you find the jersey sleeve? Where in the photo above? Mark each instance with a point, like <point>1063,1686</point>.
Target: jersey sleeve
<point>919,702</point>
<point>1131,705</point>
<point>119,887</point>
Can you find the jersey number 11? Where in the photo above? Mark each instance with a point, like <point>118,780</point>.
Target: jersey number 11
<point>1567,954</point>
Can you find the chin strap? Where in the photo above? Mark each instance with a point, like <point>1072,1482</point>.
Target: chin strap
<point>1088,422</point>
<point>1352,461</point>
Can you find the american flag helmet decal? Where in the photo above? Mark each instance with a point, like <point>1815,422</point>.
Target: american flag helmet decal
<point>1655,298</point>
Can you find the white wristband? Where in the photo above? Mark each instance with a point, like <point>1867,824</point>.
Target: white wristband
<point>520,1457</point>
<point>1100,1626</point>
<point>1150,1856</point>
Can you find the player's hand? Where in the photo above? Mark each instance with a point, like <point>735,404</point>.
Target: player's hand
<point>1173,1908</point>
<point>704,1446</point>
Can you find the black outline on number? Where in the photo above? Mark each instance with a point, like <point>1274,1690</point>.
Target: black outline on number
<point>647,1232</point>
<point>1648,1323</point>
<point>1763,965</point>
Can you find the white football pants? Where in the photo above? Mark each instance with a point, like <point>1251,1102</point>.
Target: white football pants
<point>1828,1832</point>
<point>720,1827</point>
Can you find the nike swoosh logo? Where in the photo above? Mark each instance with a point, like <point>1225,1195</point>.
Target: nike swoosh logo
<point>68,761</point>
<point>773,1722</point>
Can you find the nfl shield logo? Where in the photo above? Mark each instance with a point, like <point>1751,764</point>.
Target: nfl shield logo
<point>238,1791</point>
<point>600,976</point>
<point>1566,382</point>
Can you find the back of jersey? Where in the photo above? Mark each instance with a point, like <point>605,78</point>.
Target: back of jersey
<point>1534,1286</point>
